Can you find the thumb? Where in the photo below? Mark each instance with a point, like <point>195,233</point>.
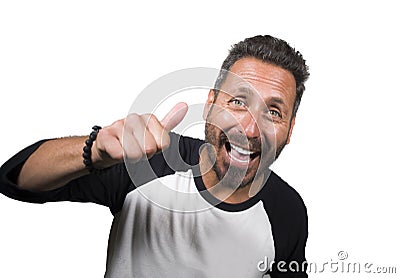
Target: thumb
<point>174,116</point>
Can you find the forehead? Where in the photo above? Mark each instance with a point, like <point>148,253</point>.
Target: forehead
<point>268,79</point>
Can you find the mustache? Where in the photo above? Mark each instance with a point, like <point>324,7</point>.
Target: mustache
<point>254,144</point>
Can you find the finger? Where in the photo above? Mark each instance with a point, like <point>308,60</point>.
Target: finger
<point>132,149</point>
<point>114,149</point>
<point>158,131</point>
<point>150,145</point>
<point>174,116</point>
<point>143,136</point>
<point>133,134</point>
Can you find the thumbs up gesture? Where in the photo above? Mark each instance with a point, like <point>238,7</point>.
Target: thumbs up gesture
<point>136,137</point>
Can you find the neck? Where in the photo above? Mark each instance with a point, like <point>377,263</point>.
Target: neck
<point>224,193</point>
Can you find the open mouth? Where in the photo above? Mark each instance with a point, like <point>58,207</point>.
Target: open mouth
<point>240,154</point>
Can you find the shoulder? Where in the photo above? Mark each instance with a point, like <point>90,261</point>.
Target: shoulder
<point>187,147</point>
<point>279,194</point>
<point>285,207</point>
<point>288,217</point>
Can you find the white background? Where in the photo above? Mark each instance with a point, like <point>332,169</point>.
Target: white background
<point>66,65</point>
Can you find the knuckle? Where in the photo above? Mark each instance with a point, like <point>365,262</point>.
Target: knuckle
<point>150,148</point>
<point>133,155</point>
<point>152,118</point>
<point>115,152</point>
<point>120,156</point>
<point>133,117</point>
<point>149,120</point>
<point>165,142</point>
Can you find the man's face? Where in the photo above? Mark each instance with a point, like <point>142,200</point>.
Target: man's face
<point>250,117</point>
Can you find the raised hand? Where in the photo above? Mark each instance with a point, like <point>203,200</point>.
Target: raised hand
<point>135,137</point>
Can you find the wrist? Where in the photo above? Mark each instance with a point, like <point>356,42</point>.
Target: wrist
<point>88,149</point>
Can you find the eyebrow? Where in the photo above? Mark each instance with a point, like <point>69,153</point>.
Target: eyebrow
<point>277,100</point>
<point>246,89</point>
<point>250,91</point>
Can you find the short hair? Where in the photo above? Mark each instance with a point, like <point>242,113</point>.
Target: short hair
<point>271,50</point>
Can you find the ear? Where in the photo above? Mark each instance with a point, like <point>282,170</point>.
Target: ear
<point>292,122</point>
<point>210,101</point>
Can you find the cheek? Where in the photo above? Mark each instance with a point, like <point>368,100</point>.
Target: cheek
<point>268,129</point>
<point>281,134</point>
<point>273,136</point>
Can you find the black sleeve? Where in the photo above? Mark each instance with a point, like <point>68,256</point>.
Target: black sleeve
<point>106,187</point>
<point>103,187</point>
<point>289,221</point>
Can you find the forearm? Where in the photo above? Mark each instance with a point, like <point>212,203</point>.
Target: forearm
<point>56,162</point>
<point>53,164</point>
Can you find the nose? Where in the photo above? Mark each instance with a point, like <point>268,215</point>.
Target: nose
<point>249,125</point>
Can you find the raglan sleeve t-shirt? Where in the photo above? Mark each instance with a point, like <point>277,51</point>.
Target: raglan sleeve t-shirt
<point>166,224</point>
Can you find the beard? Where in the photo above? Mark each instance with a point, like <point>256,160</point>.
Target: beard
<point>279,149</point>
<point>231,176</point>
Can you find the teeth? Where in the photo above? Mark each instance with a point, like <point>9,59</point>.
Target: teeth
<point>240,150</point>
<point>240,160</point>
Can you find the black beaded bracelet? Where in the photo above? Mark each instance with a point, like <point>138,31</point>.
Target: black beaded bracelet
<point>87,149</point>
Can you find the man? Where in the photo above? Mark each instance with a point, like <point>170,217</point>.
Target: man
<point>214,210</point>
